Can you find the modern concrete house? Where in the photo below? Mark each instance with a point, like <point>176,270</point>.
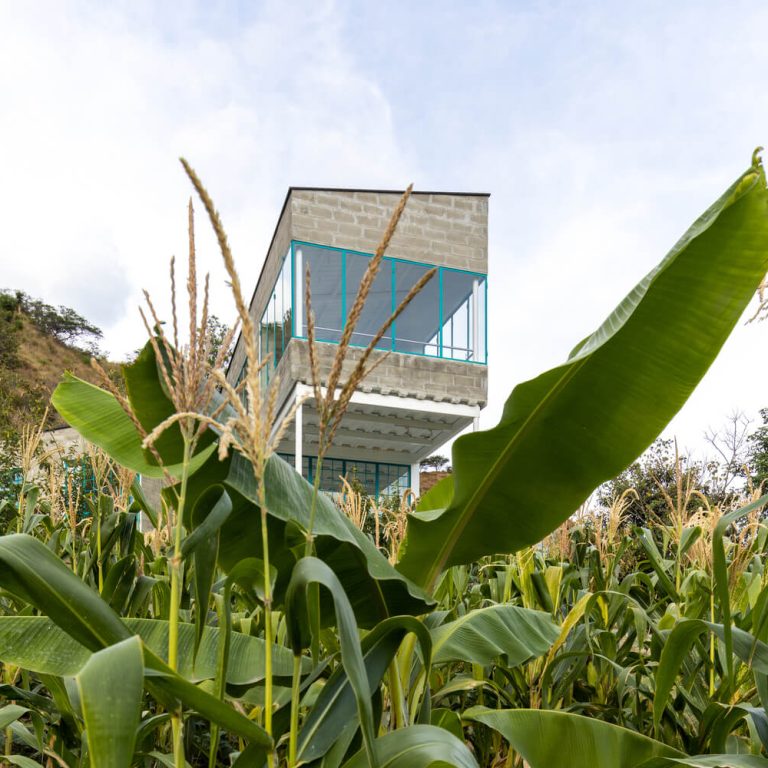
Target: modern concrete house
<point>433,382</point>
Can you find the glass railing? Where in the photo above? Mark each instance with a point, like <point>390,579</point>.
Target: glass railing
<point>447,319</point>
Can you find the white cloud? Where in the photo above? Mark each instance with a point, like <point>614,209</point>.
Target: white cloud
<point>601,132</point>
<point>98,105</point>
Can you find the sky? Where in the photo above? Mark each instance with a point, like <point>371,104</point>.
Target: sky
<point>601,130</point>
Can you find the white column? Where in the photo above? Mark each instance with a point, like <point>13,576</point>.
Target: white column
<point>476,424</point>
<point>298,299</point>
<point>475,319</point>
<point>298,426</point>
<point>415,484</point>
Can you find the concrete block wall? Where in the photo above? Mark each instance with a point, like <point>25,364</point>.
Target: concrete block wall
<point>424,378</point>
<point>441,229</point>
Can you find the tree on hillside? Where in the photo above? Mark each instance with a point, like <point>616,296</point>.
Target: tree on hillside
<point>9,331</point>
<point>757,461</point>
<point>62,323</point>
<point>663,479</point>
<point>217,334</point>
<point>434,463</point>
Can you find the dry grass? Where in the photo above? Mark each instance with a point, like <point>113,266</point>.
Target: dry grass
<point>42,361</point>
<point>389,524</point>
<point>353,504</point>
<point>396,523</point>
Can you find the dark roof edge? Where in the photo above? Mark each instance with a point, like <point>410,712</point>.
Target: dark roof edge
<point>387,191</point>
<point>331,189</point>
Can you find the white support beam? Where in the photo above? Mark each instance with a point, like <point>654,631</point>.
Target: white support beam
<point>391,420</point>
<point>298,288</point>
<point>359,454</point>
<point>285,409</point>
<point>475,319</point>
<point>381,425</point>
<point>298,438</point>
<point>415,478</point>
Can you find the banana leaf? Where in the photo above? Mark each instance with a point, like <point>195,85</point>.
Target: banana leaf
<point>579,424</point>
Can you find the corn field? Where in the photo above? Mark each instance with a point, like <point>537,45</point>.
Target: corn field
<point>260,623</point>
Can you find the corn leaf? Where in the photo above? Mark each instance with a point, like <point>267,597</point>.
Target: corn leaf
<point>31,571</point>
<point>500,631</point>
<point>418,746</point>
<point>544,737</point>
<point>335,706</point>
<point>98,417</point>
<point>36,644</point>
<point>111,686</point>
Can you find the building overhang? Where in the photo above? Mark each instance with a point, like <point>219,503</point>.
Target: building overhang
<point>377,427</point>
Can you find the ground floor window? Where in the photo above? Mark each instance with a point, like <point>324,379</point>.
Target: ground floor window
<point>376,478</point>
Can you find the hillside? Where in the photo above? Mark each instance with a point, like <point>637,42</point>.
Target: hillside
<point>44,359</point>
<point>36,348</point>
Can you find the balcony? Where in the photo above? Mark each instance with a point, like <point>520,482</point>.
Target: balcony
<point>447,320</point>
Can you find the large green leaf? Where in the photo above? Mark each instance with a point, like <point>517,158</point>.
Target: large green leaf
<point>22,762</point>
<point>500,631</point>
<point>549,738</point>
<point>374,587</point>
<point>98,417</point>
<point>335,706</point>
<point>418,746</point>
<point>10,713</point>
<point>307,572</point>
<point>679,643</point>
<point>110,687</point>
<point>718,761</point>
<point>35,643</point>
<point>151,410</point>
<point>577,425</point>
<point>31,571</point>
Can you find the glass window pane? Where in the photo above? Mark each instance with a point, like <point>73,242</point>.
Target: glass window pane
<point>361,475</point>
<point>272,330</point>
<point>459,332</point>
<point>278,318</point>
<point>264,345</point>
<point>393,479</point>
<point>330,475</point>
<point>325,276</point>
<point>417,327</point>
<point>287,302</point>
<point>282,329</point>
<point>378,305</point>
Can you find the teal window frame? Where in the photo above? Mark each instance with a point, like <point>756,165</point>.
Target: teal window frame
<point>382,471</point>
<point>289,305</point>
<point>441,271</point>
<point>269,316</point>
